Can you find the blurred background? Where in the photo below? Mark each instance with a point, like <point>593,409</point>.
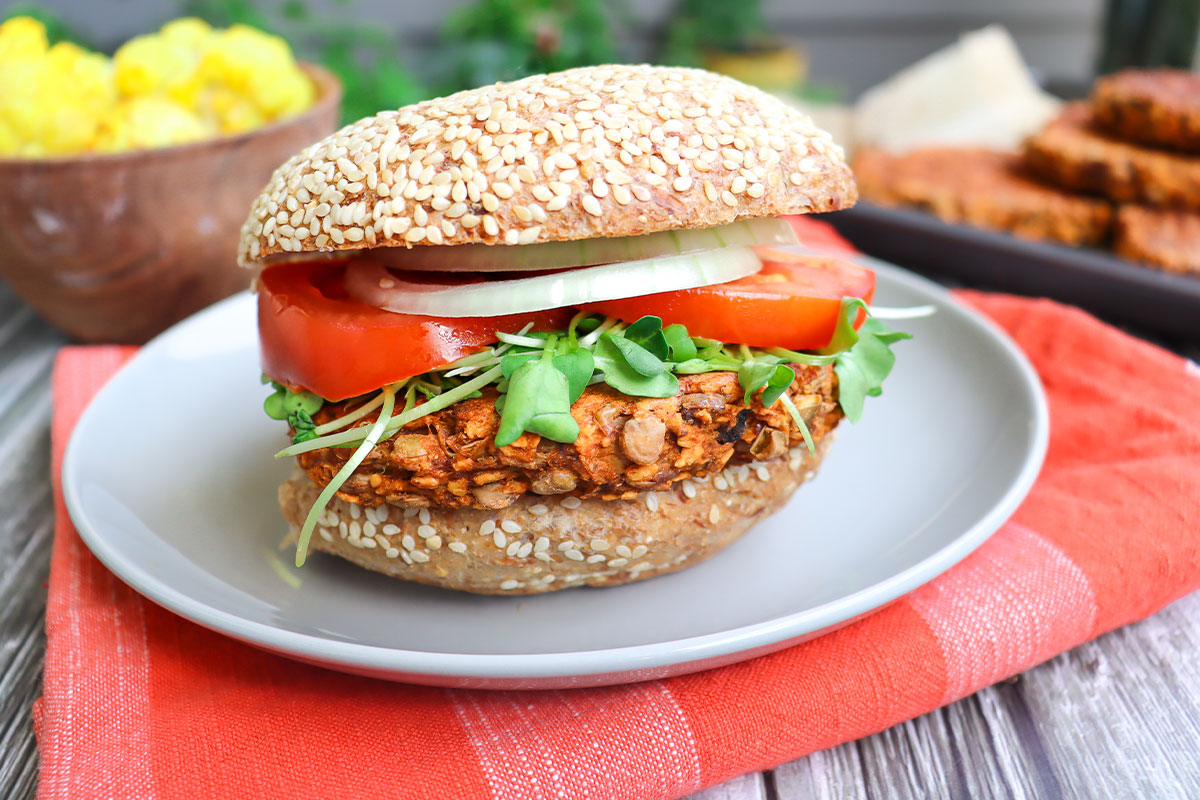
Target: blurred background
<point>405,49</point>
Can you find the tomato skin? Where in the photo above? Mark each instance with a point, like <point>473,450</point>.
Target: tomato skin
<point>794,302</point>
<point>312,336</point>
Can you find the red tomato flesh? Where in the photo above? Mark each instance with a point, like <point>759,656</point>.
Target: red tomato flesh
<point>793,302</point>
<point>314,337</point>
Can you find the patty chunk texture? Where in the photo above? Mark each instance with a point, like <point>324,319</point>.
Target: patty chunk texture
<point>626,445</point>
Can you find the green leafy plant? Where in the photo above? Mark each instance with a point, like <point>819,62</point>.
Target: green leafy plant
<point>499,40</point>
<point>700,25</point>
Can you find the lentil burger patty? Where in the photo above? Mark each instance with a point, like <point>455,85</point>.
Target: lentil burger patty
<point>983,188</point>
<point>1158,107</point>
<point>626,445</point>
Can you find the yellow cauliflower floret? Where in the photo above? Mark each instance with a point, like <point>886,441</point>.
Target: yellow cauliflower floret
<point>148,64</point>
<point>74,91</point>
<point>184,83</point>
<point>260,67</point>
<point>10,143</point>
<point>150,121</point>
<point>188,32</point>
<point>21,38</point>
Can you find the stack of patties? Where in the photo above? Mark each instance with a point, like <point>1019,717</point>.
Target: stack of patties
<point>552,333</point>
<point>1121,170</point>
<point>1136,143</point>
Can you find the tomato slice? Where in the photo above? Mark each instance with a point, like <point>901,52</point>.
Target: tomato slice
<point>794,302</point>
<point>314,337</point>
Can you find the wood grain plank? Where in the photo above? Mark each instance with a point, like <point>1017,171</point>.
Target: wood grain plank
<point>27,349</point>
<point>1118,717</point>
<point>1121,716</point>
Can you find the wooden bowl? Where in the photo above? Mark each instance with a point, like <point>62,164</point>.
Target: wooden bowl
<point>115,248</point>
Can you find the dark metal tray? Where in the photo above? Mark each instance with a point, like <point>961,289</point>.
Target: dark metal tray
<point>1098,281</point>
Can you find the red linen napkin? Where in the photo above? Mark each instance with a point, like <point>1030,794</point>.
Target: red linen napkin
<point>139,703</point>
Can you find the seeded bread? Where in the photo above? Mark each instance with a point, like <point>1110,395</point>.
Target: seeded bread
<point>595,151</point>
<point>543,544</point>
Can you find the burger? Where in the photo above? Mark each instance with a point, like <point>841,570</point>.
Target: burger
<point>557,332</point>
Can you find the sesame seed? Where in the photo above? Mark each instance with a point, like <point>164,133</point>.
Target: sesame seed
<point>325,534</point>
<point>510,584</point>
<point>367,543</point>
<point>487,527</point>
<point>542,544</point>
<point>538,509</point>
<point>763,474</point>
<point>571,501</point>
<point>391,552</point>
<point>574,555</point>
<point>714,515</point>
<point>499,539</point>
<point>596,559</point>
<point>617,562</point>
<point>542,557</point>
<point>598,544</point>
<point>689,489</point>
<point>564,546</point>
<point>457,547</point>
<point>513,547</point>
<point>640,551</point>
<point>420,556</point>
<point>510,526</point>
<point>425,531</point>
<point>525,549</point>
<point>434,542</point>
<point>355,511</point>
<point>408,542</point>
<point>591,205</point>
<point>652,501</point>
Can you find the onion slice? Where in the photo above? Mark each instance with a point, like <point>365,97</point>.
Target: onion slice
<point>585,252</point>
<point>372,283</point>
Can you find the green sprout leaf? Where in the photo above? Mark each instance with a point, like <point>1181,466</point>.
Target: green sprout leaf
<point>680,345</point>
<point>578,366</point>
<point>648,334</point>
<point>538,401</point>
<point>769,375</point>
<point>619,373</point>
<point>283,402</point>
<point>861,369</point>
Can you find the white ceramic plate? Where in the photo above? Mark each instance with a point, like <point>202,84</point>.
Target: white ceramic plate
<point>170,480</point>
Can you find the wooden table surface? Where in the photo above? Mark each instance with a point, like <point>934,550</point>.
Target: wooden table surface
<point>1116,718</point>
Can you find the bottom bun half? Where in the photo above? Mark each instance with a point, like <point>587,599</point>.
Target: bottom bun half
<point>541,544</point>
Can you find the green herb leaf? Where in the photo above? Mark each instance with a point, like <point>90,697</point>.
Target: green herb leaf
<point>282,403</point>
<point>618,373</point>
<point>647,333</point>
<point>538,401</point>
<point>769,375</point>
<point>862,368</point>
<point>639,358</point>
<point>845,335</point>
<point>303,426</point>
<point>680,345</point>
<point>578,365</point>
<point>512,361</point>
<point>694,366</point>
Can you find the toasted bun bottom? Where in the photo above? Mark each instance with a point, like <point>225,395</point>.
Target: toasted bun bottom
<point>541,544</point>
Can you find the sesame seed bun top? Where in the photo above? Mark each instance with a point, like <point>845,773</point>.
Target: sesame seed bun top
<point>589,152</point>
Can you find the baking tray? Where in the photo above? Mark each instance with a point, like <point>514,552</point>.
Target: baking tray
<point>1110,287</point>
